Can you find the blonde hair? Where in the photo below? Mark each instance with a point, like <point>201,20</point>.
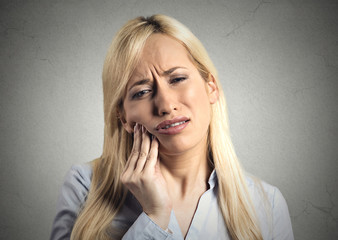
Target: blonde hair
<point>107,194</point>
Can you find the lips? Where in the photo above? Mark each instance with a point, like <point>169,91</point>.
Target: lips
<point>177,121</point>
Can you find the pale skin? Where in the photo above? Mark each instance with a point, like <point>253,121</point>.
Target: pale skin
<point>168,171</point>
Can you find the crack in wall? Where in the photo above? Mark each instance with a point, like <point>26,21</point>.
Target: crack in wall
<point>328,211</point>
<point>251,17</point>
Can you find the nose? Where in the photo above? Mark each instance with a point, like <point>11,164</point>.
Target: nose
<point>164,101</point>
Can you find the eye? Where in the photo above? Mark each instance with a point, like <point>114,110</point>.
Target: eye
<point>140,94</point>
<point>177,79</point>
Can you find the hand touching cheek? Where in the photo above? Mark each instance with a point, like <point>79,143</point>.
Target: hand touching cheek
<point>143,177</point>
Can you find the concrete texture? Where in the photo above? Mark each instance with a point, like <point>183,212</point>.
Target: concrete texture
<point>278,63</point>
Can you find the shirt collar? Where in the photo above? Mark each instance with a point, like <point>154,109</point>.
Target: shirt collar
<point>212,179</point>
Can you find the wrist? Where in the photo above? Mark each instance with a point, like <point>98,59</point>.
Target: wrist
<point>161,218</point>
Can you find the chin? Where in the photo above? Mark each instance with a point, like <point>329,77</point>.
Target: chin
<point>172,150</point>
<point>176,147</point>
<point>182,143</point>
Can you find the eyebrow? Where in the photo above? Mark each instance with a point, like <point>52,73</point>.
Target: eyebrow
<point>171,70</point>
<point>147,80</point>
<point>141,82</point>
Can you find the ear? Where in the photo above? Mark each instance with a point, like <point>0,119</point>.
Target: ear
<point>212,89</point>
<point>124,122</point>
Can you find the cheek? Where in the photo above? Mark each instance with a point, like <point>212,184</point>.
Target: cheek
<point>200,105</point>
<point>132,114</point>
<point>136,113</point>
<point>198,98</point>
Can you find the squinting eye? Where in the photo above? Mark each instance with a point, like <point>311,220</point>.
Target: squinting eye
<point>179,79</point>
<point>140,94</point>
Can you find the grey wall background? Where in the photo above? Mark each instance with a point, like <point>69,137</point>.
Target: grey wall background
<point>278,63</point>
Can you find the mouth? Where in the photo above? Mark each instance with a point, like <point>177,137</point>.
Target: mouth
<point>172,126</point>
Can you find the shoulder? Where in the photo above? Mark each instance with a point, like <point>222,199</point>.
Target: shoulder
<point>271,209</point>
<point>265,194</point>
<point>72,196</point>
<point>76,185</point>
<point>81,174</point>
<point>260,190</point>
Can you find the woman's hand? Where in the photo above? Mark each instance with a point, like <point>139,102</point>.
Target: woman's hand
<point>143,177</point>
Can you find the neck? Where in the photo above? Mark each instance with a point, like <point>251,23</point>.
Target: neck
<point>186,172</point>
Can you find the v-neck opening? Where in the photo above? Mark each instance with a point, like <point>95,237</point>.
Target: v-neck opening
<point>193,220</point>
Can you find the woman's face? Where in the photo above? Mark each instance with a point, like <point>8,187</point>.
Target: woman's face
<point>167,95</point>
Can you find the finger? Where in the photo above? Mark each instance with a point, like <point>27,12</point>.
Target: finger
<point>144,150</point>
<point>135,149</point>
<point>153,154</point>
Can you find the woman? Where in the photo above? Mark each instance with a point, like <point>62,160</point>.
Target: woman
<point>168,168</point>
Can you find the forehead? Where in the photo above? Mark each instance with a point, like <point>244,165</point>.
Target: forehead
<point>160,53</point>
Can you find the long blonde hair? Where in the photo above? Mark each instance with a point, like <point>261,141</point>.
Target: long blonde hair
<point>107,194</point>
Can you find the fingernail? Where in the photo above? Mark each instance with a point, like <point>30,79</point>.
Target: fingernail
<point>143,129</point>
<point>135,127</point>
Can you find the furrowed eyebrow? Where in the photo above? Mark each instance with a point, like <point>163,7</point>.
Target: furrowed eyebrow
<point>141,82</point>
<point>171,70</point>
<point>145,81</point>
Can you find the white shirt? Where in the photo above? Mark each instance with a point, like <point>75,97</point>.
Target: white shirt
<point>207,222</point>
